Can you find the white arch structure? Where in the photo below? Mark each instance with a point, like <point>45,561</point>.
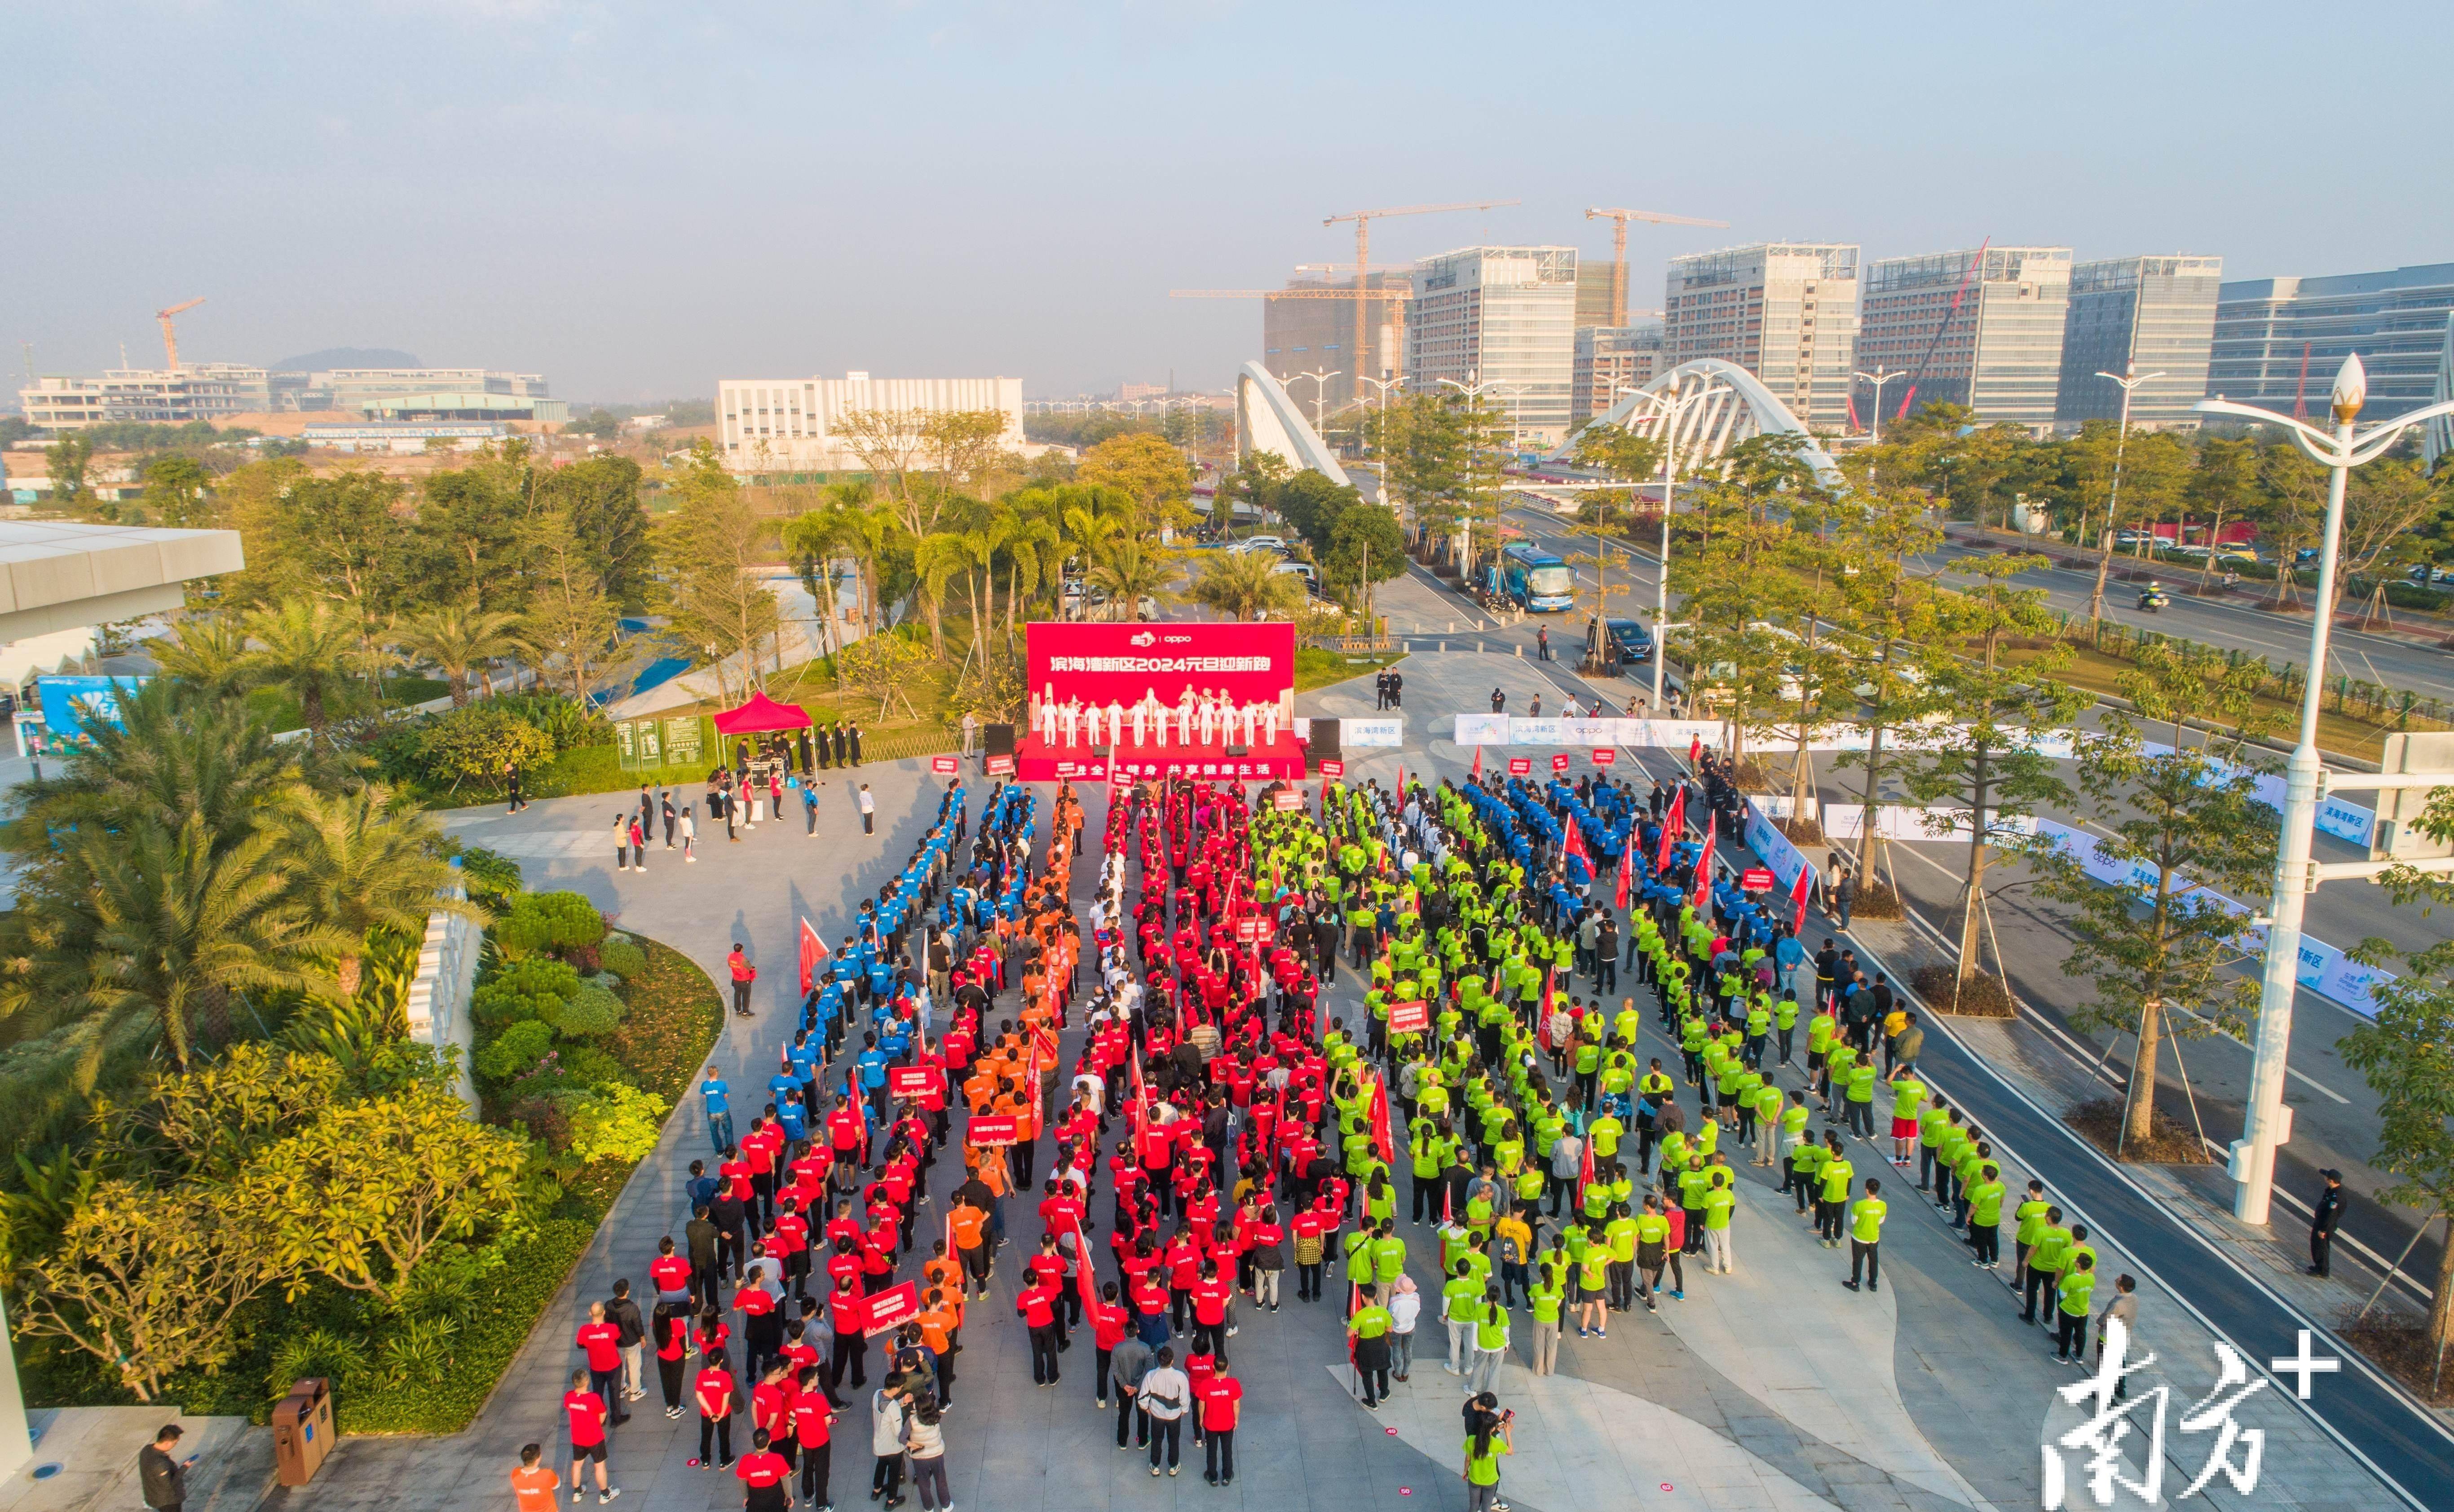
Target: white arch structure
<point>1268,421</point>
<point>1739,408</point>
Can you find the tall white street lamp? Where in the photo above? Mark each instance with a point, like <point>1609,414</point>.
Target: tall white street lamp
<point>1878,377</point>
<point>1384,385</point>
<point>2130,378</point>
<point>2265,1124</point>
<point>1320,377</point>
<point>1667,409</point>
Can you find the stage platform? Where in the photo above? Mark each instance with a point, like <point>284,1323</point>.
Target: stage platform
<point>1038,760</point>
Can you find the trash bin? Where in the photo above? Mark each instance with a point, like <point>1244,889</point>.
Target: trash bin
<point>302,1430</point>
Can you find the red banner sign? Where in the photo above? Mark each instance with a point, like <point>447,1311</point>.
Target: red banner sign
<point>911,1081</point>
<point>1519,766</point>
<point>1605,756</point>
<point>1124,663</point>
<point>1001,766</point>
<point>945,766</point>
<point>882,1312</point>
<point>1560,762</point>
<point>988,1128</point>
<point>1330,768</point>
<point>1756,879</point>
<point>1409,1018</point>
<point>1287,801</point>
<point>1255,931</point>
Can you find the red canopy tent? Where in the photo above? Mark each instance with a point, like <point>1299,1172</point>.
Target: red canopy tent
<point>761,714</point>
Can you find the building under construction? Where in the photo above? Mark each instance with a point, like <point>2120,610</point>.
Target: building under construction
<point>1309,328</point>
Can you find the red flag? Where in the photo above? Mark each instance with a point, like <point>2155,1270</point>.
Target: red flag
<point>1575,845</point>
<point>1626,870</point>
<point>1695,748</point>
<point>1380,1137</point>
<point>1674,825</point>
<point>1402,785</point>
<point>1797,893</point>
<point>1082,1281</point>
<point>813,950</point>
<point>1477,763</point>
<point>1542,1022</point>
<point>1585,1170</point>
<point>1704,869</point>
<point>859,1103</point>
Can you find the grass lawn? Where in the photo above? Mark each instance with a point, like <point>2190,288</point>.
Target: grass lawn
<point>1316,668</point>
<point>2344,735</point>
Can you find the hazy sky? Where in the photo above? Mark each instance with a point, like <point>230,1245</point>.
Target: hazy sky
<point>640,200</point>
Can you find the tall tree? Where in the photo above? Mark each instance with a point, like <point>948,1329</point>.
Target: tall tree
<point>357,861</point>
<point>2406,1055</point>
<point>569,615</point>
<point>460,639</point>
<point>1247,585</point>
<point>1888,627</point>
<point>302,646</point>
<point>595,503</point>
<point>1154,474</point>
<point>714,585</point>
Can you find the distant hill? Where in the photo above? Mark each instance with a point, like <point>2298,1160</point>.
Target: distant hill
<point>345,357</point>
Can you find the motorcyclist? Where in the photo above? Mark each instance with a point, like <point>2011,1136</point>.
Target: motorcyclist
<point>2152,596</point>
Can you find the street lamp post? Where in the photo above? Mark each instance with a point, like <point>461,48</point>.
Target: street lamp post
<point>2263,1124</point>
<point>2130,378</point>
<point>1878,377</point>
<point>1666,410</point>
<point>1473,388</point>
<point>1320,377</point>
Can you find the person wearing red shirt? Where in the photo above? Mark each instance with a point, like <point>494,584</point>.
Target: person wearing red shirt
<point>1108,1319</point>
<point>1183,1261</point>
<point>1220,1398</point>
<point>766,1475</point>
<point>762,1325</point>
<point>669,1271</point>
<point>602,1342</point>
<point>812,1420</point>
<point>583,1408</point>
<point>771,1401</point>
<point>1037,1305</point>
<point>1210,1294</point>
<point>669,1330</point>
<point>792,1242</point>
<point>714,1393</point>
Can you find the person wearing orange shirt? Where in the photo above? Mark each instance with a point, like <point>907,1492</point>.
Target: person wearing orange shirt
<point>534,1484</point>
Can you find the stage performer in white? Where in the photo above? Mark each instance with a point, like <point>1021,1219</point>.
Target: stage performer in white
<point>1047,720</point>
<point>1269,721</point>
<point>1070,717</point>
<point>1185,714</point>
<point>1141,715</point>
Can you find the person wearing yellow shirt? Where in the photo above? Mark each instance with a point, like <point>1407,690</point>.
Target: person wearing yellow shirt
<point>1866,1238</point>
<point>1908,1093</point>
<point>2076,1285</point>
<point>2047,1259</point>
<point>1834,1173</point>
<point>1720,1200</point>
<point>2028,1221</point>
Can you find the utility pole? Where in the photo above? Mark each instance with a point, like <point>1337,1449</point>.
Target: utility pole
<point>2130,379</point>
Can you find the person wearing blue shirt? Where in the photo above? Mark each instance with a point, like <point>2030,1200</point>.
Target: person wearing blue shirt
<point>712,1091</point>
<point>700,1189</point>
<point>782,1086</point>
<point>804,1056</point>
<point>794,1119</point>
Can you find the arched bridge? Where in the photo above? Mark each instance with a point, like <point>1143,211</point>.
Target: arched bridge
<point>1717,405</point>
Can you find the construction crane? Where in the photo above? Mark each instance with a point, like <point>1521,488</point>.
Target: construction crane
<point>171,333</point>
<point>1363,219</point>
<point>1618,219</point>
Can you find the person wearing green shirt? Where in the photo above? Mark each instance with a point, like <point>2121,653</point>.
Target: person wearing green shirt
<point>1545,1299</point>
<point>1930,1126</point>
<point>1950,1155</point>
<point>1795,1143</point>
<point>1618,1236</point>
<point>2028,1221</point>
<point>2076,1285</point>
<point>1653,1252</point>
<point>1460,1300</point>
<point>1388,1255</point>
<point>1719,1199</point>
<point>1490,1344</point>
<point>1861,1100</point>
<point>1593,1291</point>
<point>1866,1238</point>
<point>2046,1262</point>
<point>1834,1174</point>
<point>1806,1178</point>
<point>1768,1124</point>
<point>1368,1332</point>
<point>1907,1094</point>
<point>1358,1258</point>
<point>1484,1447</point>
<point>1605,1132</point>
<point>1985,1217</point>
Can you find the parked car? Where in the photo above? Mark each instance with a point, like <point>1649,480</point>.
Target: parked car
<point>1630,638</point>
<point>1262,543</point>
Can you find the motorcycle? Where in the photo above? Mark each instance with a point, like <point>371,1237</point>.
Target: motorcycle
<point>2152,600</point>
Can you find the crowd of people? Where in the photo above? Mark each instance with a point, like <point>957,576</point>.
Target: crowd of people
<point>1167,1050</point>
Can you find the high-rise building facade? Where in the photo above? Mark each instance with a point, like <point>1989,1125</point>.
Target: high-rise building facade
<point>1309,328</point>
<point>1983,333</point>
<point>2153,315</point>
<point>1504,316</point>
<point>1786,312</point>
<point>2278,341</point>
<point>1610,358</point>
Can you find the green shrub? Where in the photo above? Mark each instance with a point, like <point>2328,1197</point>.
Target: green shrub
<point>584,769</point>
<point>559,717</point>
<point>527,987</point>
<point>515,1050</point>
<point>549,921</point>
<point>586,1066</point>
<point>492,880</point>
<point>621,955</point>
<point>590,1013</point>
<point>616,1124</point>
<point>469,747</point>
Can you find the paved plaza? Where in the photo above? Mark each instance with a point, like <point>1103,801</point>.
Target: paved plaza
<point>1774,1388</point>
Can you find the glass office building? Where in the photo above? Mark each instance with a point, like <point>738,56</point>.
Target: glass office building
<point>1503,317</point>
<point>2278,341</point>
<point>1986,333</point>
<point>1786,312</point>
<point>2151,314</point>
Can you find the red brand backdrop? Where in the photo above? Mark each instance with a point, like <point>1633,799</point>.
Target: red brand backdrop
<point>1251,663</point>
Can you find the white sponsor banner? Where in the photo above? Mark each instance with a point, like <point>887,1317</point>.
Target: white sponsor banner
<point>1482,728</point>
<point>1775,848</point>
<point>1352,731</point>
<point>2322,968</point>
<point>1590,732</point>
<point>1893,821</point>
<point>1532,731</point>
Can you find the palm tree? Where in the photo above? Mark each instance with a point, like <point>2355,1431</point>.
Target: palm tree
<point>1035,554</point>
<point>937,557</point>
<point>302,646</point>
<point>211,652</point>
<point>1248,585</point>
<point>1129,571</point>
<point>168,929</point>
<point>358,862</point>
<point>460,639</point>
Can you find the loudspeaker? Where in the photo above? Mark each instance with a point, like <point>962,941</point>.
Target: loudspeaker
<point>1323,744</point>
<point>997,739</point>
<point>1239,750</point>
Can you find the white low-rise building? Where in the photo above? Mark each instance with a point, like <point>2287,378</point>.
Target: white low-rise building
<point>797,425</point>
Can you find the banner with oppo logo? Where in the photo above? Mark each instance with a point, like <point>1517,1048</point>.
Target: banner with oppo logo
<point>1250,663</point>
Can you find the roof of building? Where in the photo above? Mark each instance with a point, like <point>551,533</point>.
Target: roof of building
<point>46,564</point>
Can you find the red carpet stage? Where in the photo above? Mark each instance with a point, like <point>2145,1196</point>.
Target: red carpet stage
<point>1164,700</point>
<point>1036,761</point>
